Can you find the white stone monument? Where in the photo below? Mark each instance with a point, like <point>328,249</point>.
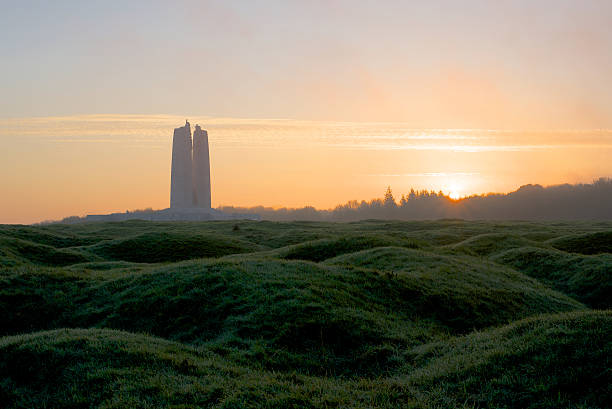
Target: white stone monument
<point>181,185</point>
<point>201,169</point>
<point>190,178</point>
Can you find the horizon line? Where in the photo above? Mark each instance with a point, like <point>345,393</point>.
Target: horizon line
<point>396,199</point>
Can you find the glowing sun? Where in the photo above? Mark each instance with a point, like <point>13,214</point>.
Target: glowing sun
<point>454,191</point>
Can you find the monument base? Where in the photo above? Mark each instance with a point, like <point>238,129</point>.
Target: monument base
<point>171,214</point>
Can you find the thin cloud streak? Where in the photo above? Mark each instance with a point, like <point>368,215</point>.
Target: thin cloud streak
<point>467,148</point>
<point>423,136</point>
<point>425,174</point>
<point>87,140</point>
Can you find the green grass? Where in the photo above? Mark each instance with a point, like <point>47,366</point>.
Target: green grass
<point>157,247</point>
<point>273,315</point>
<point>291,314</point>
<point>462,292</point>
<point>45,235</point>
<point>560,361</point>
<point>586,278</point>
<point>17,251</point>
<point>324,249</point>
<point>488,244</point>
<point>589,243</point>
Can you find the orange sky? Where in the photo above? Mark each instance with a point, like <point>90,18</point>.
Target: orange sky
<point>62,166</point>
<point>427,92</point>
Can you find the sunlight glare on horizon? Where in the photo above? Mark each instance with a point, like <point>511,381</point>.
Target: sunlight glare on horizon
<point>454,191</point>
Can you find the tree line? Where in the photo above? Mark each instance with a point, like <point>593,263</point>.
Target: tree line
<point>591,201</point>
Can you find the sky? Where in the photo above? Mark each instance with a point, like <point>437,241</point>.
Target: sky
<point>88,88</point>
<point>435,64</point>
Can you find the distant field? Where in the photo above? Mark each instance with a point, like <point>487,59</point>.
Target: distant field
<point>372,314</point>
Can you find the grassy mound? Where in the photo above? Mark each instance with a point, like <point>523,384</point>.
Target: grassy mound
<point>111,369</point>
<point>559,361</point>
<point>319,250</point>
<point>275,235</point>
<point>587,278</point>
<point>551,361</point>
<point>590,243</point>
<point>435,237</point>
<point>490,243</point>
<point>102,369</point>
<point>122,266</point>
<point>462,292</point>
<point>155,247</point>
<point>20,251</point>
<point>271,313</point>
<point>44,235</point>
<point>34,301</point>
<point>284,314</point>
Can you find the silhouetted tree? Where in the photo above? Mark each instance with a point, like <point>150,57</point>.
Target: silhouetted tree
<point>389,200</point>
<point>412,195</point>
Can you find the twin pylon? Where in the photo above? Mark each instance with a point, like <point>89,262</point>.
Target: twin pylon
<point>190,178</point>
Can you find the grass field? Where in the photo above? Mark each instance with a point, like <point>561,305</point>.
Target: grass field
<point>432,314</point>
